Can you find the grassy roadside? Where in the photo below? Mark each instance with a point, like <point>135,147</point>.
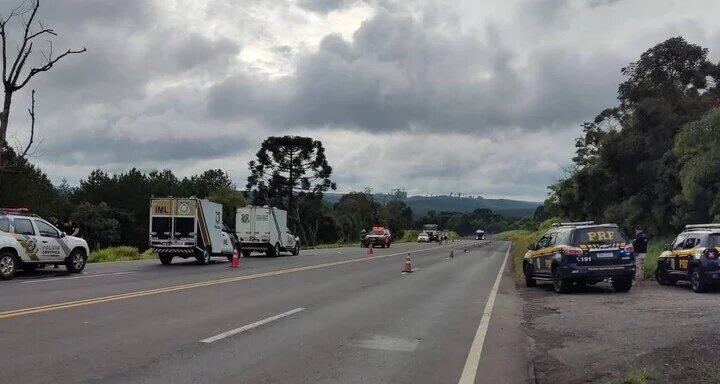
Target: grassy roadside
<point>110,254</point>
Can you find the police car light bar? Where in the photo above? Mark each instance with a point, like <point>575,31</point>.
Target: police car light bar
<point>14,210</point>
<point>695,226</point>
<point>572,224</point>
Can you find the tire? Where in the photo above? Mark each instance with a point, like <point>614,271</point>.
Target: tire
<point>530,282</point>
<point>560,285</point>
<point>696,282</point>
<point>229,257</point>
<point>277,249</point>
<point>165,259</point>
<point>662,277</point>
<point>8,265</point>
<point>76,261</point>
<point>296,250</point>
<point>622,284</point>
<point>246,253</point>
<point>388,245</point>
<point>203,258</point>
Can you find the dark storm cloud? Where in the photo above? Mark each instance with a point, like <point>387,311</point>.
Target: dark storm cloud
<point>101,148</point>
<point>401,74</point>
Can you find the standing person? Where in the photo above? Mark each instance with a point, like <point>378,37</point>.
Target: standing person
<point>640,245</point>
<point>71,228</point>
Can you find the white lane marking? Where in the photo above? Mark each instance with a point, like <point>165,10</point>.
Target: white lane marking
<point>250,326</point>
<point>473,359</point>
<point>42,280</point>
<point>387,343</point>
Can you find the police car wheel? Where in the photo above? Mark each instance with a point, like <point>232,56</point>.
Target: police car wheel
<point>662,277</point>
<point>76,261</point>
<point>622,285</point>
<point>165,259</point>
<point>296,250</point>
<point>696,282</point>
<point>529,281</point>
<point>8,266</point>
<point>560,285</point>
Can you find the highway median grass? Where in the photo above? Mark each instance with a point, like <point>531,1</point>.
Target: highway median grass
<point>122,253</point>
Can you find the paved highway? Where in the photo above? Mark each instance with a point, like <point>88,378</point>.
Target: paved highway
<point>326,316</point>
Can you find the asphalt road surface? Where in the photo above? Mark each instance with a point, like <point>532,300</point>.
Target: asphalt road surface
<point>325,316</point>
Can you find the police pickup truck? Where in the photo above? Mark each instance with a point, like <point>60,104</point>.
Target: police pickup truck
<point>28,242</point>
<point>583,253</point>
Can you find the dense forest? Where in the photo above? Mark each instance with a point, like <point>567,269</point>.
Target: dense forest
<point>651,160</point>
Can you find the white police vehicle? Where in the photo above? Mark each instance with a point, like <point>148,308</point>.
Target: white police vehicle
<point>28,242</point>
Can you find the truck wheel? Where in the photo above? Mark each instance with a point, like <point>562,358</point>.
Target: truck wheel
<point>8,266</point>
<point>276,250</point>
<point>622,284</point>
<point>76,261</point>
<point>165,259</point>
<point>696,282</point>
<point>203,258</point>
<point>246,253</point>
<point>296,250</point>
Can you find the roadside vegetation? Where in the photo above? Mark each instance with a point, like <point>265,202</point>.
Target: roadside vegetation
<point>119,254</point>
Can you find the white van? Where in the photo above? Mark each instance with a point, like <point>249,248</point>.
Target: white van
<point>264,229</point>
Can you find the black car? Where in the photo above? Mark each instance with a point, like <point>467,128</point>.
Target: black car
<point>692,256</point>
<point>584,253</point>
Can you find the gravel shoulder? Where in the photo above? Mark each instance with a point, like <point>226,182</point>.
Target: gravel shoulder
<point>596,335</point>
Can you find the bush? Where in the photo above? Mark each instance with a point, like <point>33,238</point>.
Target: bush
<point>409,236</point>
<point>119,254</point>
<point>655,248</point>
<point>452,235</point>
<point>520,240</point>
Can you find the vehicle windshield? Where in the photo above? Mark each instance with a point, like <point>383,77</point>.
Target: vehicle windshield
<point>713,240</point>
<point>377,232</point>
<point>598,235</point>
<point>430,227</point>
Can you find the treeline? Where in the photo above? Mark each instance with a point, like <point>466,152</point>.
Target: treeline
<point>112,209</point>
<point>653,159</point>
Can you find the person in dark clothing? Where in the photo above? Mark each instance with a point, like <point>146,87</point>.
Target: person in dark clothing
<point>71,228</point>
<point>640,245</point>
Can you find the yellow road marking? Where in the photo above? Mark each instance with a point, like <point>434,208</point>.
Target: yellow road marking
<point>175,288</point>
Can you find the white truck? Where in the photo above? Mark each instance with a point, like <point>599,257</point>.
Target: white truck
<point>264,229</point>
<point>189,227</point>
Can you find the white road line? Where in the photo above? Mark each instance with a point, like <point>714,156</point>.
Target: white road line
<point>473,359</point>
<point>76,277</point>
<point>250,326</point>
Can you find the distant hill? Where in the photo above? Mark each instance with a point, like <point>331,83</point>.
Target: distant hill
<point>422,204</point>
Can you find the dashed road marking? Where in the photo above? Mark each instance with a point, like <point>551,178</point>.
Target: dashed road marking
<point>248,327</point>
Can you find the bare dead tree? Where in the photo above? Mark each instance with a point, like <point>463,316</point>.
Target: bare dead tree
<point>14,74</point>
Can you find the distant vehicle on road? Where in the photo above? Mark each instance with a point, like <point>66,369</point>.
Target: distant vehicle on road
<point>479,234</point>
<point>264,229</point>
<point>433,232</point>
<point>692,256</point>
<point>576,254</point>
<point>188,227</point>
<point>423,238</point>
<point>28,242</point>
<point>378,236</point>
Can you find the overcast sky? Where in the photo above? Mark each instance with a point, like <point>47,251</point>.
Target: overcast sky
<point>479,97</point>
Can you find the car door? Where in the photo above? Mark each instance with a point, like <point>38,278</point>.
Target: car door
<point>26,235</point>
<point>542,254</point>
<point>686,252</point>
<point>675,252</point>
<point>51,247</point>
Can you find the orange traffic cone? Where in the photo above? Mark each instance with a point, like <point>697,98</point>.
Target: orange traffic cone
<point>370,249</point>
<point>235,262</point>
<point>408,265</point>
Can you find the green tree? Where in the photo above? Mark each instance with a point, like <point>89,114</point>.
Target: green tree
<point>99,227</point>
<point>287,166</point>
